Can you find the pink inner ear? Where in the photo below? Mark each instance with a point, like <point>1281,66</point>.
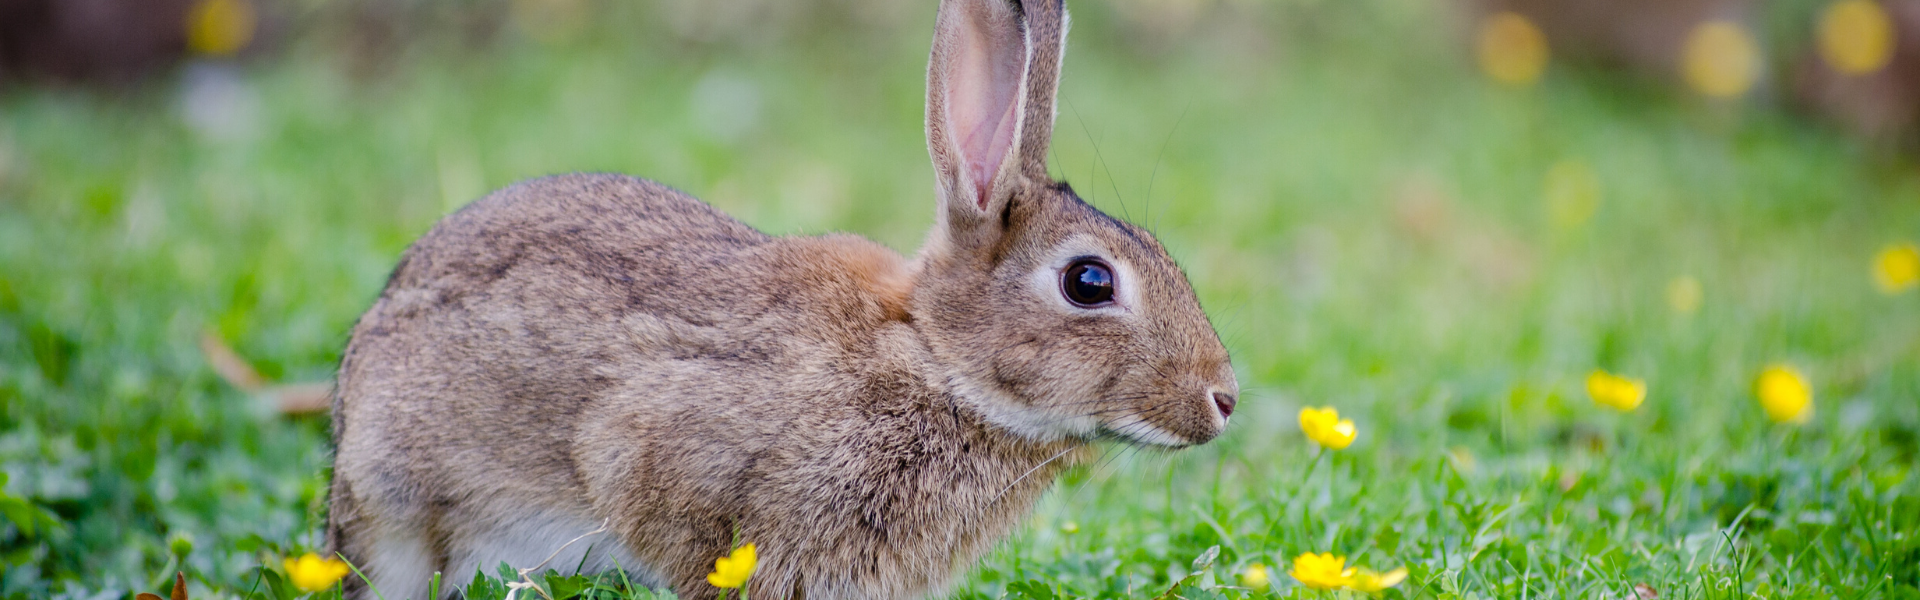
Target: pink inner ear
<point>983,87</point>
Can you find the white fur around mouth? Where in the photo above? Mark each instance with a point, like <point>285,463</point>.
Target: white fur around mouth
<point>1138,430</point>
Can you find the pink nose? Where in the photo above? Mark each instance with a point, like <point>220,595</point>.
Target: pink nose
<point>1225,401</point>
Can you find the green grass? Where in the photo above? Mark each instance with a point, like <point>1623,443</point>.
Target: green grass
<point>1360,212</point>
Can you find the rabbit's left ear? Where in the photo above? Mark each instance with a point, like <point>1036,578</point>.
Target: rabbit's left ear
<point>990,99</point>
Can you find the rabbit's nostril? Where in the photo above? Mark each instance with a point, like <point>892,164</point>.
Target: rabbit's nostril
<point>1225,401</point>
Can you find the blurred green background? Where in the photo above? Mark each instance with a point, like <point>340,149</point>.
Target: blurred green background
<point>1376,219</point>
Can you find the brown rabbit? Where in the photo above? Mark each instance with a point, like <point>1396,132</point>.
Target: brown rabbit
<point>596,348</point>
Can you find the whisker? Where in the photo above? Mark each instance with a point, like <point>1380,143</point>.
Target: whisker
<point>1023,476</point>
<point>1153,221</point>
<point>1094,184</point>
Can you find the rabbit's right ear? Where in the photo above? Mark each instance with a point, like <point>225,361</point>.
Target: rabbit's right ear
<point>990,102</point>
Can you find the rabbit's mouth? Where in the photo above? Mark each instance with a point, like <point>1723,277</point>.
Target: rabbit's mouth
<point>1171,419</point>
<point>1134,428</point>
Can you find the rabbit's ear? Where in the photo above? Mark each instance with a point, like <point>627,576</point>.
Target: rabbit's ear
<point>1047,36</point>
<point>990,90</point>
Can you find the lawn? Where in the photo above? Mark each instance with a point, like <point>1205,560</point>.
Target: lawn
<point>1372,224</point>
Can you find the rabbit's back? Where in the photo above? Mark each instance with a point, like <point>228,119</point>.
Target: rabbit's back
<point>603,231</point>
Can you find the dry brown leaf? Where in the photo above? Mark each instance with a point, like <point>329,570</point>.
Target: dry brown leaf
<point>301,398</point>
<point>290,399</point>
<point>229,365</point>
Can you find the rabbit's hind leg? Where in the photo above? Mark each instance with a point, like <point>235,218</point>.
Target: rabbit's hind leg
<point>399,562</point>
<point>542,539</point>
<point>384,535</point>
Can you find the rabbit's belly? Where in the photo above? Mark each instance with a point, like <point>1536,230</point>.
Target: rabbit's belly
<point>563,542</point>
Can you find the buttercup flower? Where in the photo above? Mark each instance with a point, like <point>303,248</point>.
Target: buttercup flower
<point>312,574</point>
<point>732,570</point>
<point>1619,393</point>
<point>1254,577</point>
<point>1720,59</point>
<point>219,27</point>
<point>1325,427</point>
<point>1897,268</point>
<point>1856,37</point>
<point>1511,49</point>
<point>1321,571</point>
<point>1369,581</point>
<point>1784,393</point>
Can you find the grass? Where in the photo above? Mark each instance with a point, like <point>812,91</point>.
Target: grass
<point>1362,214</point>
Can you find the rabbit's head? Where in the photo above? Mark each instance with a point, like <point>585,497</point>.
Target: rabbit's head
<point>1054,319</point>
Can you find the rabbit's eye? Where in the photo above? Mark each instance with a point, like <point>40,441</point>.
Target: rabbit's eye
<point>1087,283</point>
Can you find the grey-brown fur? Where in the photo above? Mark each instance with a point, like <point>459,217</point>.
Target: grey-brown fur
<point>597,348</point>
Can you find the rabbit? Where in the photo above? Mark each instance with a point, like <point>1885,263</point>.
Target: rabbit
<point>598,372</point>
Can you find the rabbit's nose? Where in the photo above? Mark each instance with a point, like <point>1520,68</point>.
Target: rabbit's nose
<point>1225,401</point>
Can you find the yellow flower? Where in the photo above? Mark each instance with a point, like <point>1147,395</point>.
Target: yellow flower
<point>1462,458</point>
<point>733,570</point>
<point>1617,392</point>
<point>1325,427</point>
<point>1512,50</point>
<point>1721,59</point>
<point>312,573</point>
<point>1856,37</point>
<point>1784,393</point>
<point>1897,268</point>
<point>1683,294</point>
<point>219,27</point>
<point>1321,571</point>
<point>1255,577</point>
<point>1572,193</point>
<point>1366,580</point>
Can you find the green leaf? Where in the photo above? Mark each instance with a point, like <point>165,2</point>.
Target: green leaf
<point>564,587</point>
<point>271,585</point>
<point>485,588</point>
<point>1205,560</point>
<point>19,512</point>
<point>1031,589</point>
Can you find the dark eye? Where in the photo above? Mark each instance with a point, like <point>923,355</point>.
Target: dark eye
<point>1087,283</point>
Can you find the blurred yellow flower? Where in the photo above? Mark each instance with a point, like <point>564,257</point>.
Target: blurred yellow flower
<point>1462,458</point>
<point>1366,580</point>
<point>1619,393</point>
<point>1572,193</point>
<point>219,27</point>
<point>312,573</point>
<point>1069,527</point>
<point>1897,268</point>
<point>1511,49</point>
<point>1784,393</point>
<point>1856,37</point>
<point>732,570</point>
<point>1684,294</point>
<point>1321,571</point>
<point>1325,427</point>
<point>1254,577</point>
<point>1720,59</point>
